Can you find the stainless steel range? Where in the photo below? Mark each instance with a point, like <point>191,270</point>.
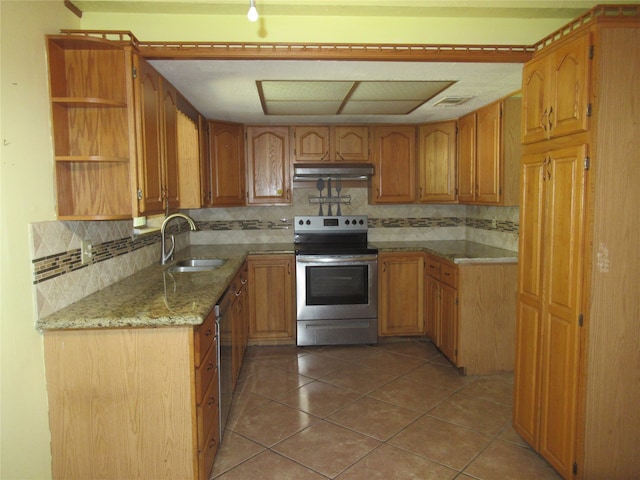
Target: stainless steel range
<point>336,281</point>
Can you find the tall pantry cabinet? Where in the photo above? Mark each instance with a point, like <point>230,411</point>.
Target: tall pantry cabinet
<point>578,341</point>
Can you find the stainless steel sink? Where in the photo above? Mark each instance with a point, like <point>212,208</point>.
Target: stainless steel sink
<point>196,265</point>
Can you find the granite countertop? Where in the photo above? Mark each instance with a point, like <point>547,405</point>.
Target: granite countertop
<point>456,251</point>
<point>153,297</point>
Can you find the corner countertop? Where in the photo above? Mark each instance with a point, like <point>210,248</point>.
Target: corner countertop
<point>153,297</point>
<point>456,251</point>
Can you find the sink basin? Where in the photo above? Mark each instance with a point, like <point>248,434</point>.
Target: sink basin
<point>196,265</point>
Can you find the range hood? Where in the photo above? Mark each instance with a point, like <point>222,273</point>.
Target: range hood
<point>343,171</point>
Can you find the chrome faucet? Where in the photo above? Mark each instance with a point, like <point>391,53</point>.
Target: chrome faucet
<point>164,255</point>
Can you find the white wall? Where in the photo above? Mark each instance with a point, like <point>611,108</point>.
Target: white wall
<point>26,195</point>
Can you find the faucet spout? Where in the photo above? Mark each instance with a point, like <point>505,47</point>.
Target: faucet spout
<point>164,255</point>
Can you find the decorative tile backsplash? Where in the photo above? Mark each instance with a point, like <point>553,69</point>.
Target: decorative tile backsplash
<point>60,279</point>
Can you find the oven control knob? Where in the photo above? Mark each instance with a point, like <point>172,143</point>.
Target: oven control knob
<point>308,222</point>
<point>361,222</point>
<point>300,222</point>
<point>346,221</point>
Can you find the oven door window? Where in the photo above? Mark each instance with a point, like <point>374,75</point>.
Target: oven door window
<point>337,285</point>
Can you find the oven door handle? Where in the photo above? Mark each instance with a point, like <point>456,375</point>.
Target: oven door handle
<point>335,258</point>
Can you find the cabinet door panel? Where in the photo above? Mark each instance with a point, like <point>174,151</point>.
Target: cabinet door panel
<point>226,149</point>
<point>564,220</point>
<point>169,130</point>
<point>351,143</point>
<point>534,101</point>
<point>149,148</point>
<point>312,143</point>
<point>394,158</point>
<point>269,179</point>
<point>437,162</point>
<point>466,158</point>
<point>448,340</point>
<point>570,82</point>
<point>432,308</point>
<point>489,154</point>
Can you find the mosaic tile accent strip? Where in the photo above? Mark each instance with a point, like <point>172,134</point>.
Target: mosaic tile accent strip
<point>55,265</point>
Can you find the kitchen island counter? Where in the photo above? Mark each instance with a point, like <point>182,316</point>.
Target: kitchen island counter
<point>155,297</point>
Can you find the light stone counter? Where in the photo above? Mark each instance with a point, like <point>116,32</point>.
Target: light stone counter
<point>456,251</point>
<point>153,297</point>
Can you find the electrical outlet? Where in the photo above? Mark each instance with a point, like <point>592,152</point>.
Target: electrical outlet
<point>86,252</point>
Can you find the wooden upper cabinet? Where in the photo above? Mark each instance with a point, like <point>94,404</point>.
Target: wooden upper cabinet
<point>467,158</point>
<point>268,166</point>
<point>437,162</point>
<point>156,117</point>
<point>329,143</point>
<point>227,165</point>
<point>311,143</point>
<point>89,84</point>
<point>556,91</point>
<point>394,157</point>
<point>350,143</point>
<point>489,154</point>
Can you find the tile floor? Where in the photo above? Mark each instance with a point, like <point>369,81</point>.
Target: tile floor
<point>397,410</point>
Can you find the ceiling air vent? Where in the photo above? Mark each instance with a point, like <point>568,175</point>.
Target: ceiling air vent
<point>451,101</point>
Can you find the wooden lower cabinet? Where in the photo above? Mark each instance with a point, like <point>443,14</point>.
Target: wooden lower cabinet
<point>239,320</point>
<point>400,294</point>
<point>470,313</point>
<point>133,403</point>
<point>271,299</point>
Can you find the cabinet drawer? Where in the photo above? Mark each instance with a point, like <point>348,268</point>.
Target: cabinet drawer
<point>207,452</point>
<point>433,267</point>
<point>206,371</point>
<point>449,274</point>
<point>207,411</point>
<point>205,335</point>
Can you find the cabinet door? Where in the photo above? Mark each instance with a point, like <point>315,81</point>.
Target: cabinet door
<point>432,308</point>
<point>489,154</point>
<point>448,335</point>
<point>401,294</point>
<point>394,157</point>
<point>312,143</point>
<point>570,81</point>
<point>351,143</point>
<point>562,266</point>
<point>269,172</point>
<point>226,150</point>
<point>437,162</point>
<point>535,103</point>
<point>466,158</point>
<point>529,310</point>
<point>169,153</point>
<point>271,305</point>
<point>150,189</point>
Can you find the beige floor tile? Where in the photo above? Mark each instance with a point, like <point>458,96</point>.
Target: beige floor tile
<point>320,398</point>
<point>506,461</point>
<point>272,423</point>
<point>386,463</point>
<point>274,382</point>
<point>244,402</point>
<point>476,414</point>
<point>390,362</point>
<point>347,353</point>
<point>234,450</point>
<point>497,389</point>
<point>419,349</point>
<point>270,466</point>
<point>440,375</point>
<point>375,418</point>
<point>358,378</point>
<point>441,442</point>
<point>510,435</point>
<point>326,448</point>
<point>312,365</point>
<point>411,394</point>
